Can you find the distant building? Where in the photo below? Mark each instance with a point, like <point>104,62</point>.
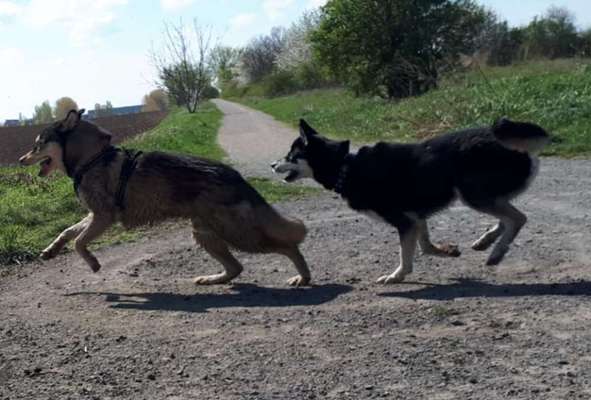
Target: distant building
<point>12,122</point>
<point>91,114</point>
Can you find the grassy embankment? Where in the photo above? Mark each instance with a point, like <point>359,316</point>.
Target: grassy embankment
<point>33,210</point>
<point>555,94</point>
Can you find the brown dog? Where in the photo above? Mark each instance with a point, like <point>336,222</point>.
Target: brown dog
<point>137,188</point>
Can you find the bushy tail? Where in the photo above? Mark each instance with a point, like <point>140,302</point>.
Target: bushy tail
<point>520,136</point>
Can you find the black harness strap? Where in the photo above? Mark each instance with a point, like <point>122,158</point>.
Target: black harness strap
<point>127,168</point>
<point>129,165</point>
<point>106,155</point>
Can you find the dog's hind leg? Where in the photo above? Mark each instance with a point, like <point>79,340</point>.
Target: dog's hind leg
<point>95,226</point>
<point>441,250</point>
<point>489,237</point>
<point>219,250</point>
<point>408,243</point>
<point>294,254</point>
<point>68,234</point>
<point>511,222</point>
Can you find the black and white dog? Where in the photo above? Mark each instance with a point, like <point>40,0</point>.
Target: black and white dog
<point>404,184</point>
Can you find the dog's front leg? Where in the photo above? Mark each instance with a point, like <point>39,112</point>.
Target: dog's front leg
<point>95,227</point>
<point>408,244</point>
<point>68,234</point>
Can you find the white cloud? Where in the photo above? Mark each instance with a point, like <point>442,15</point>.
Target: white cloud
<point>11,56</point>
<point>275,8</point>
<point>174,5</point>
<point>242,21</point>
<point>9,9</point>
<point>316,3</point>
<point>81,19</point>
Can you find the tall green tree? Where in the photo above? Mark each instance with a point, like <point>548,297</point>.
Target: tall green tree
<point>395,48</point>
<point>43,113</point>
<point>183,64</point>
<point>224,61</point>
<point>554,35</point>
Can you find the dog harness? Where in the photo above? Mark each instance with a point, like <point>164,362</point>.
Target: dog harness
<point>106,156</point>
<point>339,186</point>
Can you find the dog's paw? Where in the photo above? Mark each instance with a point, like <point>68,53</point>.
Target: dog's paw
<point>49,253</point>
<point>396,277</point>
<point>483,244</point>
<point>211,279</point>
<point>451,250</point>
<point>497,255</point>
<point>298,281</point>
<point>95,267</point>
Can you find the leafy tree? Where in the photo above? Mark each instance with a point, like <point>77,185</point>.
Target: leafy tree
<point>584,45</point>
<point>63,106</point>
<point>149,105</point>
<point>183,64</point>
<point>553,35</point>
<point>43,113</point>
<point>224,61</point>
<point>259,56</point>
<point>297,49</point>
<point>505,45</point>
<point>395,48</point>
<point>156,100</point>
<point>103,110</point>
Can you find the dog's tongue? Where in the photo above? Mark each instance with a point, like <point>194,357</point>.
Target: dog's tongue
<point>45,168</point>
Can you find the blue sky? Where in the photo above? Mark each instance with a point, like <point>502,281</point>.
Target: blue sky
<point>97,50</point>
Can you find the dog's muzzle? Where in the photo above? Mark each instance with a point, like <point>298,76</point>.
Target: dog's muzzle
<point>283,166</point>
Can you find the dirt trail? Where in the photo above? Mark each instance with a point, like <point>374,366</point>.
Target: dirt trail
<point>459,330</point>
<point>253,139</point>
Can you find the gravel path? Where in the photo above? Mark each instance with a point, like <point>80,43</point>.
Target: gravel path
<point>253,139</point>
<point>457,330</point>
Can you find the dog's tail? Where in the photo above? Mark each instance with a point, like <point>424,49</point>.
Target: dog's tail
<point>520,136</point>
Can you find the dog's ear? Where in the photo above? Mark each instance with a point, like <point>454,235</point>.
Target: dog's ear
<point>344,147</point>
<point>71,121</point>
<point>503,121</point>
<point>306,131</point>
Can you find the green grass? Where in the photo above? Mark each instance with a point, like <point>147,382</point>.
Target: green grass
<point>34,210</point>
<point>275,191</point>
<point>555,94</point>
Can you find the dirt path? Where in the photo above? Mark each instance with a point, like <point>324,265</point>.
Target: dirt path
<point>459,330</point>
<point>253,139</point>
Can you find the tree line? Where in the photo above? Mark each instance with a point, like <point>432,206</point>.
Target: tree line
<point>390,48</point>
<point>156,100</point>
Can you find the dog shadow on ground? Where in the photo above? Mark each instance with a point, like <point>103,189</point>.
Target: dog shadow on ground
<point>241,295</point>
<point>465,288</point>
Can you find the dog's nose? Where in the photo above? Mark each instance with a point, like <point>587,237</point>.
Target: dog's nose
<point>274,164</point>
<point>22,160</point>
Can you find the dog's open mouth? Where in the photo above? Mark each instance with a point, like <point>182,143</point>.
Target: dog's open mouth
<point>291,176</point>
<point>45,165</point>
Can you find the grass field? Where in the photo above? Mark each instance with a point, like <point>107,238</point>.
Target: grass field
<point>555,94</point>
<point>33,210</point>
